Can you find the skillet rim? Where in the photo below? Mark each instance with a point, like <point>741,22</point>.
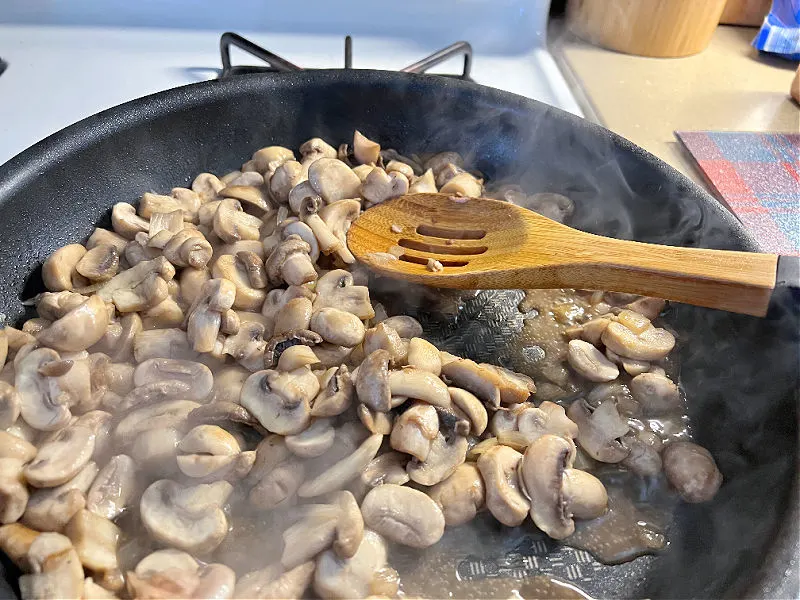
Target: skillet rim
<point>778,570</point>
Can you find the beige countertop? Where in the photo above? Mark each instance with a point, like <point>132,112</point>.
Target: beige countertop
<point>728,86</point>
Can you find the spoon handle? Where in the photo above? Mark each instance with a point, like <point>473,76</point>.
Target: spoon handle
<point>739,282</point>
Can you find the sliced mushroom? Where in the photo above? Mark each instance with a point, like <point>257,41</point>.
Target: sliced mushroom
<point>279,343</point>
<point>205,316</point>
<point>333,180</point>
<point>374,421</point>
<point>461,495</point>
<point>59,270</point>
<point>307,538</point>
<point>380,186</point>
<point>100,263</point>
<point>403,515</point>
<point>337,326</point>
<point>424,356</point>
<point>316,148</point>
<point>295,314</point>
<point>232,224</point>
<point>79,328</point>
<point>13,493</point>
<point>55,569</point>
<point>286,176</point>
<point>651,344</point>
<point>162,415</point>
<point>15,541</point>
<point>419,384</point>
<point>235,270</point>
<point>644,458</point>
<point>336,289</point>
<point>372,383</point>
<point>126,222</point>
<point>60,459</point>
<point>691,470</point>
<point>196,378</point>
<point>271,582</point>
<point>443,459</point>
<point>140,287</point>
<point>104,236</point>
<point>415,430</point>
<point>40,400</point>
<point>599,431</point>
<point>656,393</point>
<point>337,577</point>
<point>50,509</point>
<point>498,467</point>
<point>278,485</point>
<point>338,216</point>
<point>424,184</point>
<point>114,487</point>
<point>344,471</point>
<point>16,448</point>
<point>364,149</point>
<point>188,518</point>
<point>162,343</point>
<point>589,362</point>
<point>267,160</point>
<point>290,262</point>
<point>472,408</point>
<point>462,184</point>
<point>281,401</point>
<point>247,188</point>
<point>95,540</point>
<point>163,574</point>
<point>389,467</point>
<point>336,394</point>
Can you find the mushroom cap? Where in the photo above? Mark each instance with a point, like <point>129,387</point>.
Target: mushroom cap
<point>333,180</point>
<point>337,326</point>
<point>336,395</point>
<point>188,518</point>
<point>263,395</point>
<point>542,472</point>
<point>691,470</point>
<point>651,344</point>
<point>498,467</point>
<point>276,263</point>
<point>80,328</point>
<point>584,494</point>
<point>403,515</point>
<point>656,393</point>
<point>589,362</point>
<point>162,415</point>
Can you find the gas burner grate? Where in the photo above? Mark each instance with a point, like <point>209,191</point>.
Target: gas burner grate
<point>278,64</point>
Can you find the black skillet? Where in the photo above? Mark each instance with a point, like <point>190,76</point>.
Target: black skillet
<point>740,374</point>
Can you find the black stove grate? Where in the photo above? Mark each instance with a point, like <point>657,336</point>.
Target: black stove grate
<point>278,64</point>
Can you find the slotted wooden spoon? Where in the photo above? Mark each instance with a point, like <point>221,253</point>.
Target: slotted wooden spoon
<point>488,244</point>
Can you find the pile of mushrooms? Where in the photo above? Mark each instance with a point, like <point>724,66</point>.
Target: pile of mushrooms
<point>216,353</point>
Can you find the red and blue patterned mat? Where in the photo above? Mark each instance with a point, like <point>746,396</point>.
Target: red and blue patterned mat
<point>757,176</point>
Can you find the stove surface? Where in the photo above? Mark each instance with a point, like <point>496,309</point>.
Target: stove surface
<point>63,67</point>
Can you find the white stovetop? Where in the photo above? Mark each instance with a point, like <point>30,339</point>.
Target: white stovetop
<point>64,66</point>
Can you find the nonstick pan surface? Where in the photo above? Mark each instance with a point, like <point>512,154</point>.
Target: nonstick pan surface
<point>739,373</point>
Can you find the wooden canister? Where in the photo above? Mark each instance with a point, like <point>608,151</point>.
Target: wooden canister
<point>661,28</point>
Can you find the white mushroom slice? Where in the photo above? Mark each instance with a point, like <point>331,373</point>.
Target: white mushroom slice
<point>15,447</point>
<point>15,541</point>
<point>50,509</point>
<point>296,357</point>
<point>338,216</point>
<point>100,263</point>
<point>209,439</point>
<point>40,399</point>
<point>307,538</point>
<point>650,345</point>
<point>188,248</point>
<point>95,540</point>
<point>286,176</point>
<point>405,326</point>
<point>233,269</point>
<point>389,467</point>
<point>421,385</point>
<point>114,487</point>
<point>205,315</point>
<point>349,526</point>
<point>424,184</point>
<point>247,348</point>
<point>374,421</point>
<point>126,222</point>
<point>380,186</point>
<point>172,413</point>
<point>337,326</point>
<point>280,401</point>
<point>472,408</point>
<point>400,167</point>
<point>304,232</point>
<point>463,184</point>
<point>267,160</point>
<point>336,394</point>
<point>424,356</point>
<point>316,148</point>
<point>372,382</point>
<point>403,515</point>
<point>336,289</point>
<point>489,383</point>
<point>316,440</point>
<point>333,180</point>
<point>599,431</point>
<point>60,459</point>
<point>55,569</point>
<point>10,403</point>
<point>341,473</point>
<point>247,188</point>
<point>337,577</point>
<point>548,418</point>
<point>104,236</point>
<point>59,270</point>
<point>271,582</point>
<point>461,495</point>
<point>162,343</point>
<point>589,362</point>
<point>364,149</point>
<point>79,328</point>
<point>290,262</point>
<point>295,314</point>
<point>656,393</point>
<point>232,224</point>
<point>414,430</point>
<point>504,499</point>
<point>13,493</point>
<point>188,518</point>
<point>196,376</point>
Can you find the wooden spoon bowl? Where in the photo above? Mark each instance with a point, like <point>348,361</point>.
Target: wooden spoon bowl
<point>477,243</point>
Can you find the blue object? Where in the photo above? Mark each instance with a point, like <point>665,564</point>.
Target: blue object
<point>780,33</point>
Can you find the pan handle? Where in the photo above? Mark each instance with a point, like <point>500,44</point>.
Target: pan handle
<point>229,39</point>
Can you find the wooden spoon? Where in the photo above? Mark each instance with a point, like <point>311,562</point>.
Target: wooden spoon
<point>488,244</point>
